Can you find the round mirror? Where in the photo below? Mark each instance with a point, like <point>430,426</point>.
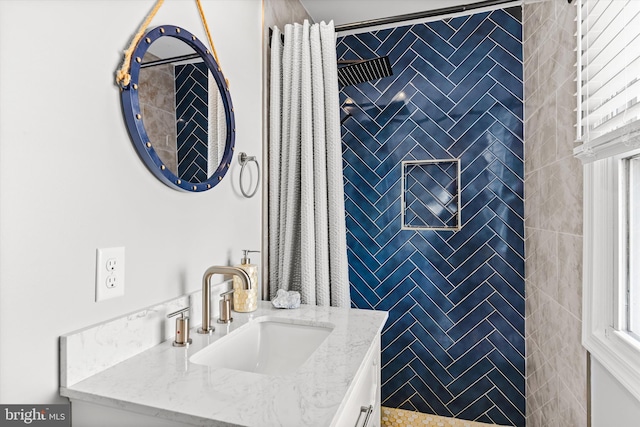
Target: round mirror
<point>178,110</point>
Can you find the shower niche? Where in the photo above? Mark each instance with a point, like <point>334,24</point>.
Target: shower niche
<point>431,195</point>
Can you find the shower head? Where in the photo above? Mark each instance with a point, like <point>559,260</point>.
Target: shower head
<point>354,72</point>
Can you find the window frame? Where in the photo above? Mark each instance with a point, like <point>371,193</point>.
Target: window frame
<point>604,332</point>
<point>632,247</point>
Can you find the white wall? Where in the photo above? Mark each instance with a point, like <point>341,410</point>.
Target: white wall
<point>71,182</point>
<point>611,403</point>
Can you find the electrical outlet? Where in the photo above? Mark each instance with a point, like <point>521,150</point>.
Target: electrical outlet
<point>111,264</point>
<point>111,281</point>
<point>109,273</point>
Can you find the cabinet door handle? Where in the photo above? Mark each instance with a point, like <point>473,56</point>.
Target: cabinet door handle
<point>367,410</point>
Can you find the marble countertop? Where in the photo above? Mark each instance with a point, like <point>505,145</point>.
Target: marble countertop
<point>162,382</point>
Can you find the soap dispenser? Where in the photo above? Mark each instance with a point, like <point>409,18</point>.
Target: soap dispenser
<point>245,300</point>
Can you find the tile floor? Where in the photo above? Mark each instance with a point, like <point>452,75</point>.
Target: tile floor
<point>392,417</point>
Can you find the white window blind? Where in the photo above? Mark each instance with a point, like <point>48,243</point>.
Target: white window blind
<point>609,66</point>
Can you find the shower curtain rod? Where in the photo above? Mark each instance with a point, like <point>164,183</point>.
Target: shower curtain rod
<point>416,15</point>
<point>421,15</point>
<point>169,60</point>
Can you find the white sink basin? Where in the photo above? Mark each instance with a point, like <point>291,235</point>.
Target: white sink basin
<point>267,345</point>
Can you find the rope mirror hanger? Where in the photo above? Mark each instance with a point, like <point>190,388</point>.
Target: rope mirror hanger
<point>123,76</point>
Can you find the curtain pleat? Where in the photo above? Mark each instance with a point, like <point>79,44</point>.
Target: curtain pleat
<point>274,159</point>
<point>307,231</point>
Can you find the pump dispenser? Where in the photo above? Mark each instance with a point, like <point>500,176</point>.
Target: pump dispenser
<point>246,300</point>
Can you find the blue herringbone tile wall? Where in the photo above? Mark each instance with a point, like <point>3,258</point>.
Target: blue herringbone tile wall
<point>192,114</point>
<point>454,342</point>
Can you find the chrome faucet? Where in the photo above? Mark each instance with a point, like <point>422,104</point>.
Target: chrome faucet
<point>206,327</point>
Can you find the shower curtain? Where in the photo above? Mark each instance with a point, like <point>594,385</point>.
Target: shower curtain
<point>307,233</point>
<point>217,127</point>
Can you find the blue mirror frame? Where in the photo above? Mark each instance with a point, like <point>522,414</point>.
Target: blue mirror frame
<point>134,119</point>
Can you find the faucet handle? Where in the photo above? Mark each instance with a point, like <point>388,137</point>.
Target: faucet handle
<point>182,328</point>
<point>225,307</point>
<point>181,312</point>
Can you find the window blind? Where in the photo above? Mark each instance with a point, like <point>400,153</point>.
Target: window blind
<point>609,65</point>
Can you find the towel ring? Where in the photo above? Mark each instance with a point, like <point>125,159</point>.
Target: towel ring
<point>244,159</point>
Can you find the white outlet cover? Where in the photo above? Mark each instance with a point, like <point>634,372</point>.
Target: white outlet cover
<point>112,275</point>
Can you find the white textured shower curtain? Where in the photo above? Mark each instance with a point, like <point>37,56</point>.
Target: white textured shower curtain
<point>307,232</point>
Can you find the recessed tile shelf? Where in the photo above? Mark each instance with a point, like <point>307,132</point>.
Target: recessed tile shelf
<point>431,195</point>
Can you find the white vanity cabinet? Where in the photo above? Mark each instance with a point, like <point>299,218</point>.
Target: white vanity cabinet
<point>361,407</point>
<point>163,386</point>
<point>87,414</point>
